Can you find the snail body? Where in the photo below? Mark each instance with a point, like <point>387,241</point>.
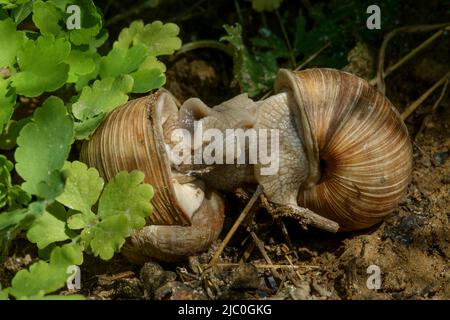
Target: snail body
<point>344,157</point>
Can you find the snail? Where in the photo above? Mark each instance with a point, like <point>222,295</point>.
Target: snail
<point>344,158</point>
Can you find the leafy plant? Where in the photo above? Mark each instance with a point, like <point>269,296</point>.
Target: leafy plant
<point>338,24</point>
<point>64,207</point>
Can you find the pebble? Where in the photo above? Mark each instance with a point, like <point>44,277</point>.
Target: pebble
<point>176,290</point>
<point>129,289</point>
<point>440,157</point>
<point>153,277</point>
<point>245,276</point>
<point>301,292</point>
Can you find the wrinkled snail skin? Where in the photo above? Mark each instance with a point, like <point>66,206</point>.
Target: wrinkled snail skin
<point>186,218</point>
<point>344,153</point>
<point>174,243</point>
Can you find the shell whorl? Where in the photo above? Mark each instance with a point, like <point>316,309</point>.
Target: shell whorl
<point>132,138</point>
<point>360,147</point>
<point>129,139</point>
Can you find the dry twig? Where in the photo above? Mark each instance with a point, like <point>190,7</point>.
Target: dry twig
<point>379,80</point>
<point>413,106</point>
<point>235,226</point>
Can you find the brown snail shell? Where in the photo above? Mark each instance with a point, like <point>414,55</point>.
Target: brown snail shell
<point>131,138</point>
<point>359,151</point>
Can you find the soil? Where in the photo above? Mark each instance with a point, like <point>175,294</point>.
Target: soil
<point>411,248</point>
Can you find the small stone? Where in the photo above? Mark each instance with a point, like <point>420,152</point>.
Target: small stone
<point>153,276</point>
<point>440,157</point>
<point>301,292</point>
<point>245,277</point>
<point>175,290</point>
<point>129,289</point>
<point>321,290</point>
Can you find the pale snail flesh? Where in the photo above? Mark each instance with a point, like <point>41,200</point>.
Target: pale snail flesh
<point>344,154</point>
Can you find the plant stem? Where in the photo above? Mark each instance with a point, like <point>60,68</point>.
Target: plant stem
<point>200,44</point>
<point>239,12</point>
<point>379,80</point>
<point>286,38</point>
<point>412,53</point>
<point>128,13</point>
<point>413,106</point>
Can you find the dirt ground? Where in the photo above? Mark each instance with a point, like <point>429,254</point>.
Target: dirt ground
<point>411,247</point>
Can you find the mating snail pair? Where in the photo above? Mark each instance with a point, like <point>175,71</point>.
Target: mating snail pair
<point>344,153</point>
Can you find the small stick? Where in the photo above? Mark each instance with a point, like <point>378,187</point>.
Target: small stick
<point>286,236</point>
<point>425,154</point>
<point>413,52</point>
<point>313,56</point>
<point>286,38</point>
<point>263,251</point>
<point>295,270</point>
<point>413,106</point>
<point>302,65</point>
<point>247,252</point>
<point>236,224</point>
<point>436,104</point>
<point>201,44</point>
<point>409,29</point>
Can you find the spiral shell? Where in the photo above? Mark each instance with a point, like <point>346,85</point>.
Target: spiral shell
<point>132,138</point>
<point>359,151</point>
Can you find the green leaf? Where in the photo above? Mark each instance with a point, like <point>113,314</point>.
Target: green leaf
<point>42,66</point>
<point>67,255</point>
<point>83,187</point>
<point>46,277</point>
<point>159,38</point>
<point>121,61</point>
<point>46,17</point>
<point>7,102</point>
<point>102,97</point>
<point>146,80</point>
<point>11,4</point>
<point>11,132</point>
<point>13,38</point>
<point>43,145</point>
<point>109,235</point>
<point>267,40</point>
<point>84,79</point>
<point>12,196</point>
<point>266,5</point>
<point>81,63</point>
<point>124,204</point>
<point>152,63</point>
<point>49,227</point>
<point>21,12</point>
<point>254,73</point>
<point>126,194</point>
<point>81,220</point>
<point>84,129</point>
<point>13,218</point>
<point>4,294</point>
